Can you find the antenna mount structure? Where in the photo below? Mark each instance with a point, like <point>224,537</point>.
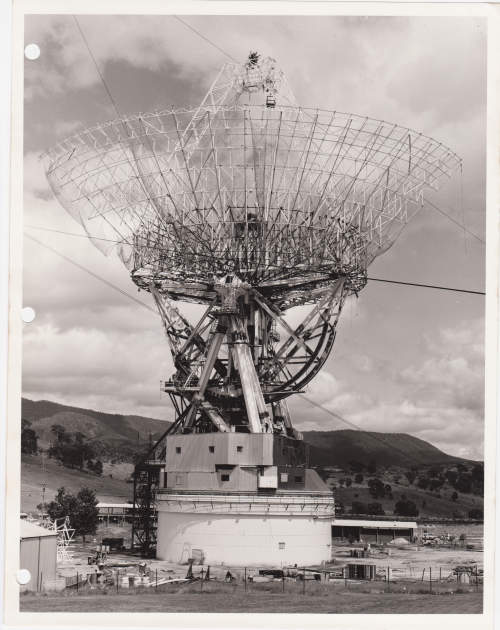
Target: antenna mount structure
<point>251,206</point>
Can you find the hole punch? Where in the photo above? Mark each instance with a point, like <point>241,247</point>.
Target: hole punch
<point>32,52</point>
<point>28,314</point>
<point>23,576</point>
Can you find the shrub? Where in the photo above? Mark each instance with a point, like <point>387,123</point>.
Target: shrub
<point>405,507</point>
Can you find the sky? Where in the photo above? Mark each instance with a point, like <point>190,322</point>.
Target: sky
<point>406,359</point>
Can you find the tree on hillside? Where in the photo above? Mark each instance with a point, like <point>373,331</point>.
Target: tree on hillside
<point>60,433</point>
<point>356,467</point>
<point>71,449</point>
<point>372,467</point>
<point>405,507</point>
<point>81,510</point>
<point>477,514</point>
<point>435,471</point>
<point>29,439</point>
<point>478,478</point>
<point>451,476</point>
<point>435,484</point>
<point>423,482</point>
<point>411,476</point>
<point>358,478</point>
<point>375,509</point>
<point>95,467</point>
<point>376,488</point>
<point>464,483</point>
<point>454,496</point>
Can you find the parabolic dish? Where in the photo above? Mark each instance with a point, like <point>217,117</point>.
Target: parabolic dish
<point>281,196</point>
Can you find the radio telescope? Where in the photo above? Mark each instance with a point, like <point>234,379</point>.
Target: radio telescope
<point>249,205</point>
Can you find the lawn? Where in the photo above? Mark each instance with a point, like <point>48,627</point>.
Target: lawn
<point>335,601</point>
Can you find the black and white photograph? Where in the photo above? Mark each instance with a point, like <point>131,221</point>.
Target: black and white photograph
<point>252,264</point>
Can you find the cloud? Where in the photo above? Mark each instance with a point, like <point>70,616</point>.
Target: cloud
<point>91,345</point>
<point>442,400</point>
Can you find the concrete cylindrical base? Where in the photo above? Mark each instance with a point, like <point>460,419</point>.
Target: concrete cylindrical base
<point>238,538</point>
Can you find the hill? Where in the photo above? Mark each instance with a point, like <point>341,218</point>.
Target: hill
<point>339,448</point>
<point>328,448</point>
<point>119,437</point>
<point>35,473</point>
<point>115,437</point>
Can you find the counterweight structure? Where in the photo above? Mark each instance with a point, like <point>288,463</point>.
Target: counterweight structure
<point>249,205</point>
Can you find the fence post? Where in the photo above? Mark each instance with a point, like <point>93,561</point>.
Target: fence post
<point>345,576</point>
<point>117,579</point>
<point>389,579</point>
<point>304,581</point>
<point>283,582</point>
<point>245,578</point>
<point>430,579</point>
<point>201,580</point>
<point>440,575</point>
<point>77,581</point>
<point>156,579</point>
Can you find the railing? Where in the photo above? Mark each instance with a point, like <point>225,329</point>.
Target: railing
<point>315,504</point>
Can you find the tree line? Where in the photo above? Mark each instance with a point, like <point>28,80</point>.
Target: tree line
<point>71,449</point>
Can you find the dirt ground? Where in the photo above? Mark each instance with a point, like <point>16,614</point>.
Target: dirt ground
<point>419,565</point>
<point>422,580</point>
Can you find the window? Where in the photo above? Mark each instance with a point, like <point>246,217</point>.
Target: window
<point>239,449</point>
<point>177,449</point>
<point>284,477</point>
<point>224,477</point>
<point>281,545</point>
<point>211,449</point>
<point>178,480</point>
<point>298,479</point>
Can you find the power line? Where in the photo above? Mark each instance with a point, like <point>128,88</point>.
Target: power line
<point>91,273</point>
<point>110,96</point>
<point>205,38</point>
<point>312,402</point>
<point>358,428</point>
<point>427,286</point>
<point>87,236</point>
<point>410,284</point>
<point>460,225</point>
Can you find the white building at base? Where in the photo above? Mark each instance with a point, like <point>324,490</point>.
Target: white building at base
<point>242,499</point>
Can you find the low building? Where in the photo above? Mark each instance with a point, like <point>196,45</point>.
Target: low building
<point>38,555</point>
<point>372,530</point>
<point>115,512</point>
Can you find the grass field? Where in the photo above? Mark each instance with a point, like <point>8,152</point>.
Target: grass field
<point>33,474</point>
<point>336,601</point>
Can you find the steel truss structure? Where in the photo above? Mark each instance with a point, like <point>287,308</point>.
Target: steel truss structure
<point>250,205</point>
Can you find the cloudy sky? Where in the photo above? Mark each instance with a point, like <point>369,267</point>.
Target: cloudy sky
<point>406,359</point>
